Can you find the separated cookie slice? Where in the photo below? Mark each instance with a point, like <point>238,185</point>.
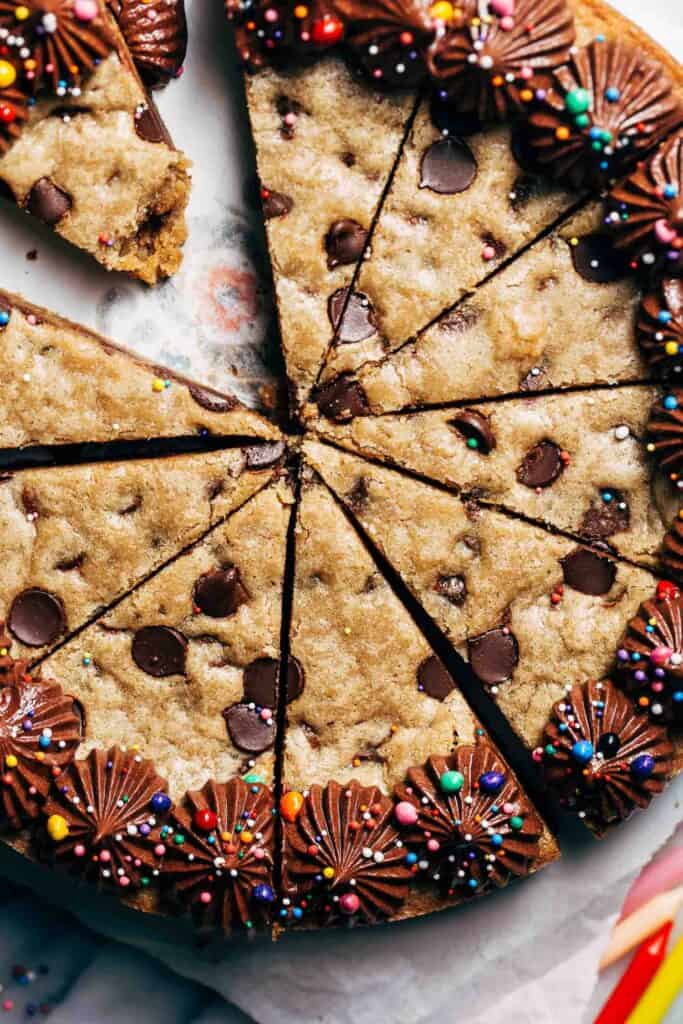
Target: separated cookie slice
<point>65,384</point>
<point>177,688</point>
<point>577,462</point>
<point>534,614</point>
<point>326,143</point>
<point>76,538</point>
<point>389,780</point>
<point>562,314</point>
<point>82,146</point>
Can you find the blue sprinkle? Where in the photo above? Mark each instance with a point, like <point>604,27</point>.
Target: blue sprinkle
<point>664,316</point>
<point>670,402</point>
<point>612,94</point>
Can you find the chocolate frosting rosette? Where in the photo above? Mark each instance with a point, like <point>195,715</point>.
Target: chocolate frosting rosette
<point>57,42</point>
<point>216,855</point>
<point>98,814</point>
<point>466,823</point>
<point>601,112</point>
<point>645,211</point>
<point>660,329</point>
<point>343,857</point>
<point>156,35</point>
<point>491,52</point>
<point>650,655</point>
<point>602,756</point>
<point>40,729</point>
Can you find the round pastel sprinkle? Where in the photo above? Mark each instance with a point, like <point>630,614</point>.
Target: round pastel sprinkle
<point>582,751</point>
<point>263,893</point>
<point>57,828</point>
<point>452,782</point>
<point>577,101</point>
<point>349,903</point>
<point>642,766</point>
<point>491,782</point>
<point>406,813</point>
<point>160,803</point>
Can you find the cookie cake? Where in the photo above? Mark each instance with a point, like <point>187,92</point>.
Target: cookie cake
<point>347,668</point>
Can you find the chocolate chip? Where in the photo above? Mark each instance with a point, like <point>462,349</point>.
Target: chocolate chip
<point>476,429</point>
<point>453,588</point>
<point>604,518</point>
<point>261,681</point>
<point>344,242</point>
<point>541,465</point>
<point>433,677</point>
<point>342,399</point>
<point>36,617</point>
<point>47,202</point>
<point>247,730</point>
<point>209,399</point>
<point>588,572</point>
<point>493,655</point>
<point>220,593</point>
<point>448,167</point>
<point>358,495</point>
<point>148,125</point>
<point>355,322</point>
<point>275,204</point>
<point>159,651</point>
<point>596,259</point>
<point>263,456</point>
<point>460,320</point>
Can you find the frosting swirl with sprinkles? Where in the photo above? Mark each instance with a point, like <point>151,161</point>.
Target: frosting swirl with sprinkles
<point>602,757</point>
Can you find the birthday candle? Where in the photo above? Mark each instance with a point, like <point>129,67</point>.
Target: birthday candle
<point>636,978</point>
<point>643,922</point>
<point>666,985</point>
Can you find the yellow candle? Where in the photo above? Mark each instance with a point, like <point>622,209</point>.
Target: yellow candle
<point>667,983</point>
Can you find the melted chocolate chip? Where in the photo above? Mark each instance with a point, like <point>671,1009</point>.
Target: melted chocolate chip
<point>596,259</point>
<point>247,730</point>
<point>604,518</point>
<point>588,572</point>
<point>159,651</point>
<point>448,167</point>
<point>357,321</point>
<point>541,465</point>
<point>261,681</point>
<point>36,617</point>
<point>275,204</point>
<point>433,677</point>
<point>47,202</point>
<point>476,429</point>
<point>460,320</point>
<point>214,401</point>
<point>344,242</point>
<point>263,456</point>
<point>453,588</point>
<point>342,399</point>
<point>493,655</point>
<point>220,593</point>
<point>148,125</point>
<point>358,495</point>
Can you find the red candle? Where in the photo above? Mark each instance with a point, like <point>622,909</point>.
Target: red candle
<point>636,978</point>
